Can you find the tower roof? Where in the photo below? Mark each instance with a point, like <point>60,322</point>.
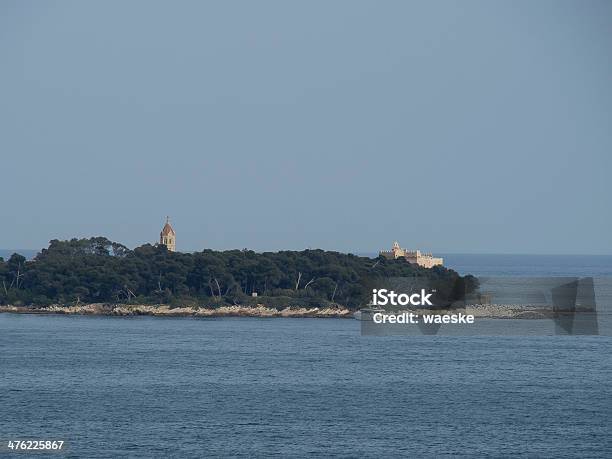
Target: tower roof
<point>167,229</point>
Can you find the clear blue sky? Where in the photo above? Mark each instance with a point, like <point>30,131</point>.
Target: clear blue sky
<point>449,126</point>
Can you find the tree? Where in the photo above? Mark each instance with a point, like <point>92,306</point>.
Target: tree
<point>99,270</point>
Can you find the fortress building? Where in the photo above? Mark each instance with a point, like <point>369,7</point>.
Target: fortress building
<point>426,260</point>
<point>167,236</point>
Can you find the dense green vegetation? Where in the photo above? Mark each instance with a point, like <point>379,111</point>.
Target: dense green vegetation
<point>97,270</point>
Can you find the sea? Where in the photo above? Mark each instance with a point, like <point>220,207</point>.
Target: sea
<point>247,387</point>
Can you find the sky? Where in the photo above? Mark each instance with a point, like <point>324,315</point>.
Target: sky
<point>453,127</point>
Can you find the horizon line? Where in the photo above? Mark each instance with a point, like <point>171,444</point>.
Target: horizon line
<point>357,253</point>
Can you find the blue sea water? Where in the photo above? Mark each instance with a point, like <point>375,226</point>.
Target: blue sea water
<point>530,265</point>
<point>526,265</point>
<point>182,387</point>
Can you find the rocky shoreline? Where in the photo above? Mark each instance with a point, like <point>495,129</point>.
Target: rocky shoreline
<point>163,310</point>
<point>484,311</point>
<point>504,311</point>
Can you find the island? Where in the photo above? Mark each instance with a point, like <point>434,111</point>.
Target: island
<point>98,276</point>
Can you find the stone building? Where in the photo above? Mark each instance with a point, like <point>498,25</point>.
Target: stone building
<point>426,260</point>
<point>167,236</point>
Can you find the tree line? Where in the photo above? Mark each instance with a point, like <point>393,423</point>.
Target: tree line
<point>97,270</point>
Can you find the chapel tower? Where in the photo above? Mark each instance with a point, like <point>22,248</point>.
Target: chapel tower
<point>167,236</point>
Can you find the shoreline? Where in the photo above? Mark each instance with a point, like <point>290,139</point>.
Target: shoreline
<point>489,311</point>
<point>163,310</point>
